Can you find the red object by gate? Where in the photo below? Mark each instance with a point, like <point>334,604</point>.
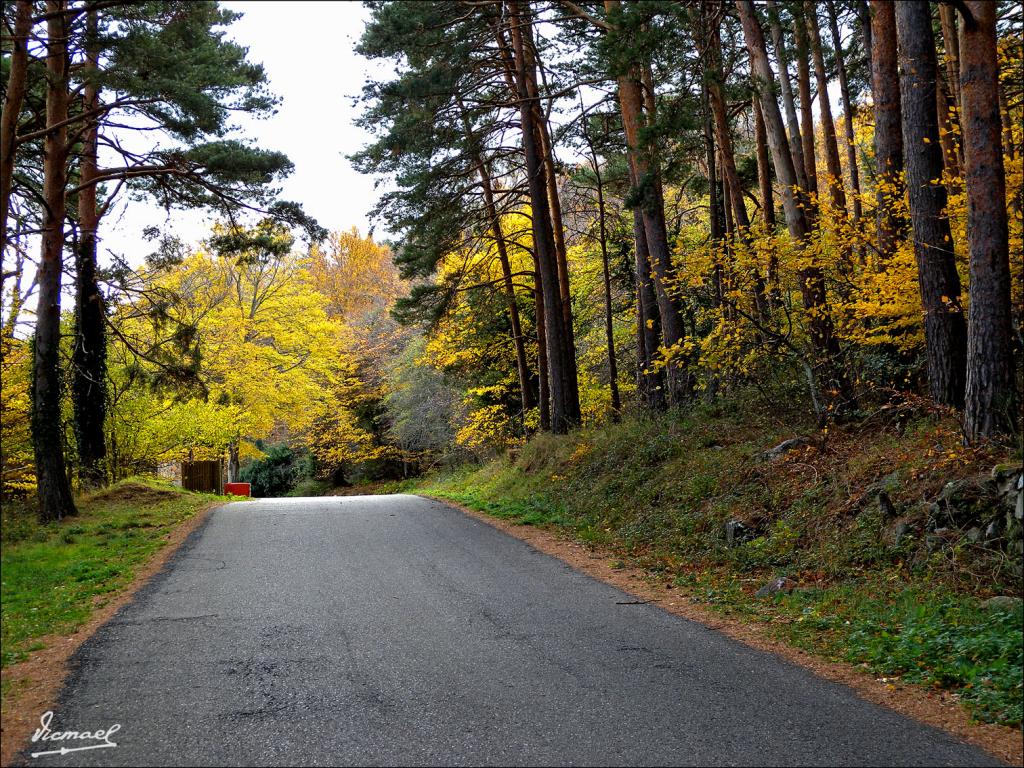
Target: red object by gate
<point>237,489</point>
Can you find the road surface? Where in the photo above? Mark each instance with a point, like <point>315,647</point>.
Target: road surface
<point>396,630</point>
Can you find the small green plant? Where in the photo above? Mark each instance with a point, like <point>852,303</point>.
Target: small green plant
<point>948,644</point>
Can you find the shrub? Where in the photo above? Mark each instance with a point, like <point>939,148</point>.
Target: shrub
<point>277,472</point>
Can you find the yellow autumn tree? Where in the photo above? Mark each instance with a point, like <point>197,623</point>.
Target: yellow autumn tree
<point>270,357</point>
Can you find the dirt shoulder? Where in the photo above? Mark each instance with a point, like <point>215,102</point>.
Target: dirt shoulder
<point>35,682</point>
<point>938,709</point>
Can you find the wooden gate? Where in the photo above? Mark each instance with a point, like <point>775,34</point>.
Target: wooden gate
<point>202,476</point>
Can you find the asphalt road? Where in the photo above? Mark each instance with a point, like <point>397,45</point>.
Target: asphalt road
<point>396,630</point>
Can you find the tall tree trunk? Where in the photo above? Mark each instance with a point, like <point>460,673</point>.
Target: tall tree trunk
<point>729,175</point>
<point>613,372</point>
<point>795,140</point>
<point>727,269</point>
<point>716,217</point>
<point>644,165</point>
<point>89,354</point>
<point>764,83</point>
<point>863,11</point>
<point>844,90</point>
<point>938,281</point>
<point>812,282</point>
<point>828,125</point>
<point>562,417</point>
<point>803,79</point>
<point>609,329</point>
<point>558,230</point>
<point>947,131</point>
<point>951,46</point>
<point>14,97</point>
<point>1004,114</point>
<point>885,92</point>
<point>764,170</point>
<point>764,179</point>
<point>650,380</point>
<point>716,214</point>
<point>990,405</point>
<point>53,489</point>
<point>543,375</point>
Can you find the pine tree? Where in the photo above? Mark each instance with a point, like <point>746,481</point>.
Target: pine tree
<point>991,400</point>
<point>939,283</point>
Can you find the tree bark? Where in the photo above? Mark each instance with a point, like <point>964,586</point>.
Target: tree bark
<point>803,79</point>
<point>650,381</point>
<point>844,89</point>
<point>950,149</point>
<point>609,330</point>
<point>764,80</point>
<point>795,140</point>
<point>613,371</point>
<point>1004,114</point>
<point>951,45</point>
<point>990,406</point>
<point>648,179</point>
<point>558,231</point>
<point>764,171</point>
<point>938,281</point>
<point>716,214</point>
<point>543,375</point>
<point>89,355</point>
<point>14,97</point>
<point>562,416</point>
<point>885,92</point>
<point>764,179</point>
<point>52,487</point>
<point>828,125</point>
<point>730,177</point>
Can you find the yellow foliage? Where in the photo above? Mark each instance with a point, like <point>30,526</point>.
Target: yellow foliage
<point>16,459</point>
<point>273,363</point>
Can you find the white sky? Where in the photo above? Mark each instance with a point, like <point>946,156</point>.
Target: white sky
<point>307,51</point>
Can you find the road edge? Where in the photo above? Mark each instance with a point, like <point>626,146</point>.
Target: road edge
<point>937,709</point>
<point>47,669</point>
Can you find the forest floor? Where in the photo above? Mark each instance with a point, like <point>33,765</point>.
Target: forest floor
<point>63,580</point>
<point>878,545</point>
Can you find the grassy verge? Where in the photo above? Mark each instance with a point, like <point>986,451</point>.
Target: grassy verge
<point>872,585</point>
<point>55,576</point>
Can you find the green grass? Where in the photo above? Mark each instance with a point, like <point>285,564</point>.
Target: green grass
<point>896,630</point>
<point>658,493</point>
<point>54,576</point>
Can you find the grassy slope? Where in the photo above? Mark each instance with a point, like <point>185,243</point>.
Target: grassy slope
<point>54,576</point>
<point>659,496</point>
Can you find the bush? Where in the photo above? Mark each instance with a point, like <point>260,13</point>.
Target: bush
<point>277,473</point>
